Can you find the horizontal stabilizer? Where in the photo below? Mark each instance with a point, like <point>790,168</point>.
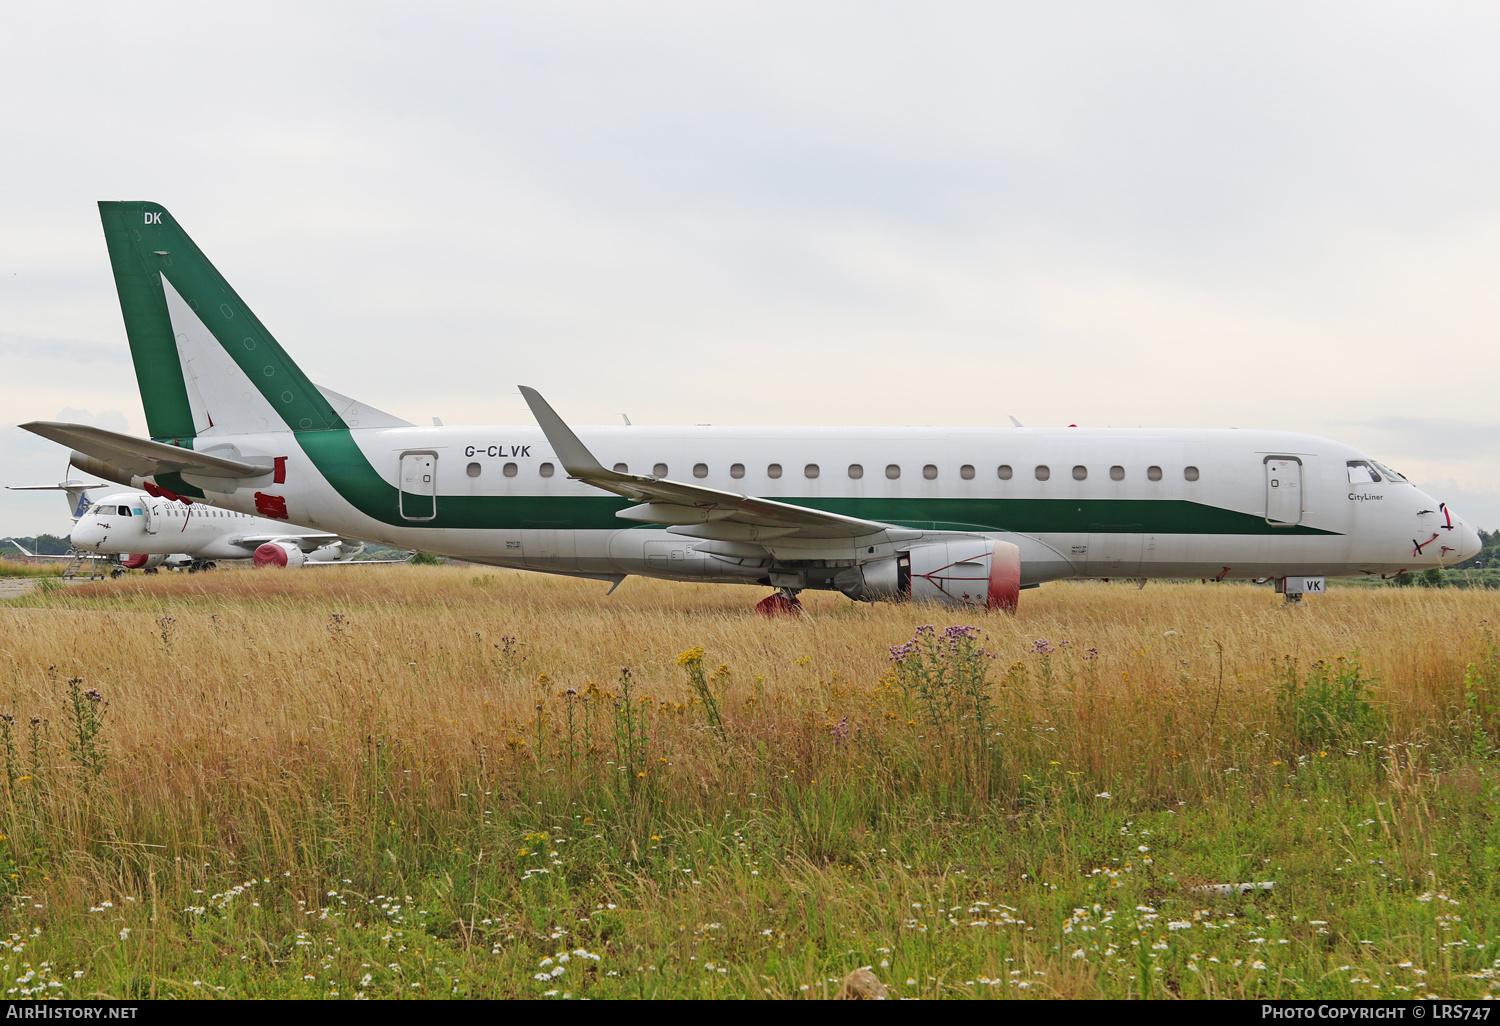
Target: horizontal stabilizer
<point>143,457</point>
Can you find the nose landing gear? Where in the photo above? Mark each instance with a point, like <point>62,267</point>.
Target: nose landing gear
<point>783,603</point>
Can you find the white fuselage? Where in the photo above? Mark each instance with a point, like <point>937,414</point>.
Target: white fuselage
<point>158,526</point>
<point>1109,503</point>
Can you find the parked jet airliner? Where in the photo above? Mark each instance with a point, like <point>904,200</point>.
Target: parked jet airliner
<point>149,531</point>
<point>955,515</point>
<point>144,532</point>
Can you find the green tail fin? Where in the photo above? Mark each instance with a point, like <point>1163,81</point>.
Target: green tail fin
<point>146,245</point>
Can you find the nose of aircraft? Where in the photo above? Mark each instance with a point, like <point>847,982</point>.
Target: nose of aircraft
<point>1465,543</point>
<point>87,534</point>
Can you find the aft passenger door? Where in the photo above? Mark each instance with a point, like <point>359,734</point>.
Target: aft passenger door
<point>1283,491</point>
<point>417,498</point>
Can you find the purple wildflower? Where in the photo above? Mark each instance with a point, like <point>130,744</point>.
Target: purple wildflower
<point>840,732</point>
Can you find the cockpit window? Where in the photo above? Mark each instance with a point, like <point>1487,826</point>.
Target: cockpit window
<point>124,511</point>
<point>1360,472</point>
<point>1390,475</point>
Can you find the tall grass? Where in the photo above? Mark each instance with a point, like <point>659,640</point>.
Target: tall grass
<point>18,568</point>
<point>517,765</point>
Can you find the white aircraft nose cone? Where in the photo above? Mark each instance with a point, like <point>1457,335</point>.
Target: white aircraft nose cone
<point>1472,543</point>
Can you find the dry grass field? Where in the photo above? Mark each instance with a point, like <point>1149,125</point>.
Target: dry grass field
<point>432,781</point>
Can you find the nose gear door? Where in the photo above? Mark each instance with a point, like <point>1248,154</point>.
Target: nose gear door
<point>1283,491</point>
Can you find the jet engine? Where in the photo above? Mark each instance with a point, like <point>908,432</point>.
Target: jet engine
<point>974,572</point>
<point>962,572</point>
<point>142,561</point>
<point>275,553</point>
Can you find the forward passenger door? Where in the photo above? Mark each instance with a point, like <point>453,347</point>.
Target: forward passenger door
<point>1283,491</point>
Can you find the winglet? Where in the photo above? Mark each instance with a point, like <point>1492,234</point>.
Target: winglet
<point>575,456</point>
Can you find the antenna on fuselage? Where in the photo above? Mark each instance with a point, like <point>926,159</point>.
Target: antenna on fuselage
<point>627,424</point>
<point>1013,420</point>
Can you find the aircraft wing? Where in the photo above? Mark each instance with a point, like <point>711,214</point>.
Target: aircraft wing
<point>305,542</point>
<point>36,555</point>
<point>678,503</point>
<point>140,456</point>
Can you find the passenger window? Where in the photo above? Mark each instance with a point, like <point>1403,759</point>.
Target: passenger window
<point>473,470</point>
<point>509,470</point>
<point>1043,472</point>
<point>737,470</point>
<point>966,472</point>
<point>700,470</point>
<point>810,471</point>
<point>892,471</point>
<point>1080,473</point>
<point>1191,473</point>
<point>622,468</point>
<point>1153,473</point>
<point>773,471</point>
<point>856,471</point>
<point>547,470</point>
<point>1361,472</point>
<point>1005,472</point>
<point>660,470</point>
<point>1117,473</point>
<point>930,472</point>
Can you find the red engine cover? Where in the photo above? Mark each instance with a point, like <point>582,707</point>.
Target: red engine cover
<point>1005,578</point>
<point>133,562</point>
<point>270,554</point>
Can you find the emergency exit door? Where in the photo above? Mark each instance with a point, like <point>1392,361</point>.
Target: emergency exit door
<point>1283,491</point>
<point>417,498</point>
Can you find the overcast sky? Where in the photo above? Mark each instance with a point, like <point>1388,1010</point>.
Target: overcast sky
<point>1196,214</point>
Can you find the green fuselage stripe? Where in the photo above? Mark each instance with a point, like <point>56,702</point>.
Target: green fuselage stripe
<point>340,460</point>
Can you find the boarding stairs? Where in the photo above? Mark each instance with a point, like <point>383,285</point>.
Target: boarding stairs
<point>86,565</point>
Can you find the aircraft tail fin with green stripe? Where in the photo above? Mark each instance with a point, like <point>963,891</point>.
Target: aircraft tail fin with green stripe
<point>205,364</point>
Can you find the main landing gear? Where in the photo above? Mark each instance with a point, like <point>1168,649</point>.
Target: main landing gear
<point>783,603</point>
<point>201,564</point>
